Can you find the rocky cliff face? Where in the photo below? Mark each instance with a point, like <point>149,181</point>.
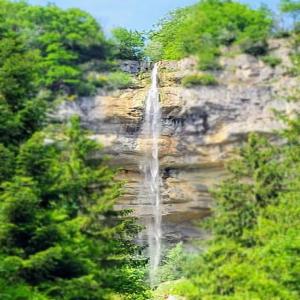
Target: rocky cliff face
<point>201,127</point>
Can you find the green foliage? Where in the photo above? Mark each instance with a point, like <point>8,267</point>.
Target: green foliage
<point>255,225</point>
<point>21,110</point>
<point>59,40</point>
<point>60,237</point>
<point>202,28</point>
<point>272,61</point>
<point>181,287</point>
<point>198,79</point>
<point>154,51</point>
<point>18,292</point>
<point>8,123</point>
<point>174,264</point>
<point>253,47</point>
<point>112,81</point>
<point>129,44</point>
<point>59,68</point>
<point>290,7</point>
<point>257,177</point>
<point>59,226</point>
<point>295,55</point>
<point>208,59</point>
<point>168,37</point>
<point>7,163</point>
<point>18,71</point>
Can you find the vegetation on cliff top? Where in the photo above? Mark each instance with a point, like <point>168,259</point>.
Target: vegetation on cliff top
<point>202,28</point>
<point>199,79</point>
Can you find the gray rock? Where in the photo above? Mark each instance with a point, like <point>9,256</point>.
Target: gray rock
<point>134,67</point>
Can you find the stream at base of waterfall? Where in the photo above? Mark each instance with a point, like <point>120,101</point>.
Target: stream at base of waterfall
<point>150,167</point>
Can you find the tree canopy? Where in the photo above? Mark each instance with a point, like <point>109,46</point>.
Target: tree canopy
<point>201,28</point>
<point>129,44</point>
<point>60,237</point>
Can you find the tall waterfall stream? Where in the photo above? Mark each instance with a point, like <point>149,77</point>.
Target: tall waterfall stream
<point>150,168</point>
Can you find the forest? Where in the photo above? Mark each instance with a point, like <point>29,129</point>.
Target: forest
<point>61,237</point>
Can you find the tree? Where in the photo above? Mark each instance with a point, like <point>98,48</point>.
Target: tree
<point>60,237</point>
<point>7,163</point>
<point>256,182</point>
<point>59,231</point>
<point>202,28</point>
<point>22,110</point>
<point>292,8</point>
<point>253,253</point>
<point>19,70</point>
<point>154,51</point>
<point>64,39</point>
<point>129,44</point>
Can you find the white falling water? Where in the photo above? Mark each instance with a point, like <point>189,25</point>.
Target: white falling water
<point>150,168</point>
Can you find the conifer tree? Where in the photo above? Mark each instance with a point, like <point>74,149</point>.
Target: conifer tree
<point>254,250</point>
<point>255,182</point>
<point>232,266</point>
<point>59,232</point>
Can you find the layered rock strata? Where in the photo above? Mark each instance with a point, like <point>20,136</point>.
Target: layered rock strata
<point>201,127</point>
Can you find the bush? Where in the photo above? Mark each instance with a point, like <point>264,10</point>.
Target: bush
<point>254,47</point>
<point>282,34</point>
<point>295,69</point>
<point>174,264</point>
<point>111,81</point>
<point>198,79</point>
<point>119,80</point>
<point>86,89</point>
<point>208,60</point>
<point>272,61</point>
<point>178,288</point>
<point>209,24</point>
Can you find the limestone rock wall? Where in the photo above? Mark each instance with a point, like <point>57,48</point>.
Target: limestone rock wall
<point>201,127</point>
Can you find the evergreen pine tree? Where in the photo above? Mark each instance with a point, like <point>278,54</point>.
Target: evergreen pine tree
<point>232,266</point>
<point>59,232</point>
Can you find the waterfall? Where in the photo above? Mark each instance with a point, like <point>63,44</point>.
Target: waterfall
<point>150,168</point>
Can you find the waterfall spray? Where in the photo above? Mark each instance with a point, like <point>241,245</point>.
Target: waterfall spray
<point>150,168</point>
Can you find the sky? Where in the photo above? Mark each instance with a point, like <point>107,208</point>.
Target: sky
<point>132,14</point>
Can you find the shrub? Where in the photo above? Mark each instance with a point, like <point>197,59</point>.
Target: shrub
<point>198,79</point>
<point>253,46</point>
<point>272,61</point>
<point>112,81</point>
<point>174,264</point>
<point>209,24</point>
<point>281,34</point>
<point>119,80</point>
<point>208,60</point>
<point>295,69</point>
<point>182,287</point>
<point>86,89</point>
